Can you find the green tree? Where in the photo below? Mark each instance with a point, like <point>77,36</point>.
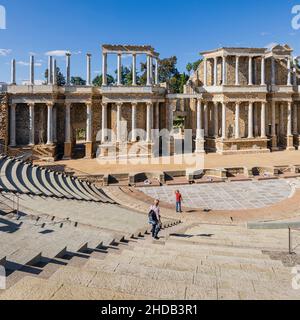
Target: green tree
<point>196,64</point>
<point>78,81</point>
<point>189,68</point>
<point>97,82</point>
<point>60,78</point>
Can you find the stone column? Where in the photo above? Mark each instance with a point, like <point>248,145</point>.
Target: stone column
<point>133,121</point>
<point>273,71</point>
<point>282,133</point>
<point>31,124</point>
<point>216,119</point>
<point>263,120</point>
<point>12,125</point>
<point>134,69</point>
<point>215,71</point>
<point>104,69</point>
<point>148,71</point>
<point>250,121</point>
<point>224,78</point>
<point>237,120</point>
<point>263,73</point>
<point>50,67</point>
<point>274,136</point>
<point>157,116</point>
<point>295,120</point>
<point>119,70</point>
<point>13,71</point>
<point>224,120</point>
<point>68,68</point>
<point>54,75</point>
<point>104,122</point>
<point>205,72</point>
<point>54,124</point>
<point>31,66</point>
<point>289,77</point>
<point>250,80</point>
<point>50,124</point>
<point>290,137</point>
<point>237,67</point>
<point>89,131</point>
<point>255,119</point>
<point>149,121</point>
<point>206,119</point>
<point>200,132</point>
<point>151,70</point>
<point>88,70</point>
<point>156,72</point>
<point>68,144</point>
<point>119,115</point>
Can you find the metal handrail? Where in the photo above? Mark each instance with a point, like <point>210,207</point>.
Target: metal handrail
<point>14,199</point>
<point>291,240</point>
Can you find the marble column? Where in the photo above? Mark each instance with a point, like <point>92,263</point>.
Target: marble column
<point>215,71</point>
<point>290,137</point>
<point>237,67</point>
<point>151,70</point>
<point>289,68</point>
<point>274,136</point>
<point>12,125</point>
<point>104,122</point>
<point>206,119</point>
<point>263,73</point>
<point>148,71</point>
<point>255,119</point>
<point>263,120</point>
<point>119,115</point>
<point>89,122</point>
<point>273,71</point>
<point>88,70</point>
<point>237,121</point>
<point>50,67</point>
<point>282,120</point>
<point>13,71</point>
<point>119,70</point>
<point>50,123</point>
<point>295,120</point>
<point>134,69</point>
<point>216,119</point>
<point>133,122</point>
<point>31,124</point>
<point>68,144</point>
<point>250,121</point>
<point>250,80</point>
<point>224,75</point>
<point>104,69</point>
<point>224,120</point>
<point>68,68</point>
<point>200,132</point>
<point>31,70</point>
<point>157,116</point>
<point>54,72</point>
<point>205,72</point>
<point>156,72</point>
<point>149,121</point>
<point>55,125</point>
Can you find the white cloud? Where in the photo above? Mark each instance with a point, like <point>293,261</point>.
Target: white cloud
<point>271,45</point>
<point>61,53</point>
<point>26,64</point>
<point>5,52</point>
<point>263,34</point>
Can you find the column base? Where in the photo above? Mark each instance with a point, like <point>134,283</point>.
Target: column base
<point>89,150</point>
<point>290,143</point>
<point>200,146</point>
<point>67,151</point>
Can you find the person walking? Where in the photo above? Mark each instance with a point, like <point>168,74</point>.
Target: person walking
<point>155,219</point>
<point>178,201</point>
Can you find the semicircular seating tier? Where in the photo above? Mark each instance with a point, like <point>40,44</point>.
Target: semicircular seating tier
<point>21,177</point>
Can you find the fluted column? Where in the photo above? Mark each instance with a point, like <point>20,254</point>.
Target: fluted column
<point>250,121</point>
<point>119,115</point>
<point>215,71</point>
<point>237,120</point>
<point>289,68</point>
<point>134,69</point>
<point>54,124</point>
<point>205,119</point>
<point>200,132</point>
<point>68,68</point>
<point>31,66</point>
<point>31,124</point>
<point>50,123</point>
<point>216,119</point>
<point>224,76</point>
<point>157,116</point>
<point>295,120</point>
<point>68,144</point>
<point>89,122</point>
<point>263,120</point>
<point>289,119</point>
<point>224,120</point>
<point>273,133</point>
<point>255,119</point>
<point>282,120</point>
<point>205,72</point>
<point>273,71</point>
<point>151,70</point>
<point>119,71</point>
<point>88,69</point>
<point>104,69</point>
<point>263,73</point>
<point>104,122</point>
<point>148,70</point>
<point>13,71</point>
<point>237,67</point>
<point>50,67</point>
<point>54,72</point>
<point>149,121</point>
<point>12,125</point>
<point>250,80</point>
<point>133,121</point>
<point>156,72</point>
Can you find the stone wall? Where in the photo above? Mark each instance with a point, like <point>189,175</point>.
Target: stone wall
<point>3,123</point>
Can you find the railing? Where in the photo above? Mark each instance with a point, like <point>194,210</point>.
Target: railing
<point>11,202</point>
<point>291,249</point>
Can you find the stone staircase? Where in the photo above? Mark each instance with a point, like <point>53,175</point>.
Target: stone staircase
<point>203,262</point>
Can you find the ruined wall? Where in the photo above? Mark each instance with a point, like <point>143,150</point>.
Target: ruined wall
<point>4,116</point>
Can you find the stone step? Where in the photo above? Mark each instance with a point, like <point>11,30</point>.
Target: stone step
<point>2,260</point>
<point>27,179</point>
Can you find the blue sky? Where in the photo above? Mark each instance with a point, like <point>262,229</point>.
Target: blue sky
<point>174,27</point>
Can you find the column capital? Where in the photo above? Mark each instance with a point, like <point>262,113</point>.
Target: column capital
<point>149,104</point>
<point>134,103</point>
<point>68,54</point>
<point>88,104</point>
<point>119,104</point>
<point>50,104</point>
<point>31,104</point>
<point>104,104</point>
<point>89,55</point>
<point>13,105</point>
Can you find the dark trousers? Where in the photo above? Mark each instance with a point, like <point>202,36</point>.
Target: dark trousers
<point>155,229</point>
<point>178,207</point>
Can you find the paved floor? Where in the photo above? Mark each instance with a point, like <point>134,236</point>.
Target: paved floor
<point>227,196</point>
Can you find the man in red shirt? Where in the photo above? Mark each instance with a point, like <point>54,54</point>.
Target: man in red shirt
<point>178,201</point>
